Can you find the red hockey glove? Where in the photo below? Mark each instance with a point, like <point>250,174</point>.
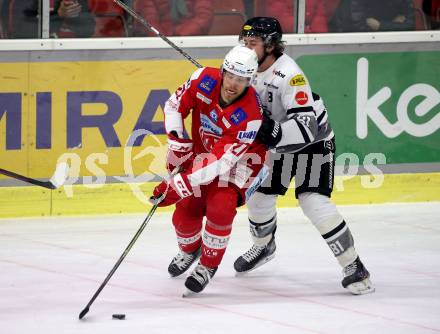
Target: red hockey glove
<point>179,152</point>
<point>171,191</point>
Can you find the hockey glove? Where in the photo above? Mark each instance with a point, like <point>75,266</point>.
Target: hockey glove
<point>270,132</point>
<point>171,191</point>
<point>179,152</point>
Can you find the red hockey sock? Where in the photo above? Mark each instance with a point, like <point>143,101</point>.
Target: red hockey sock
<point>187,221</point>
<point>220,212</point>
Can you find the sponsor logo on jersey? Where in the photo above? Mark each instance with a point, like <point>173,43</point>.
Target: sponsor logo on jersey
<point>238,116</point>
<point>301,98</point>
<point>297,80</point>
<point>269,85</point>
<point>226,123</point>
<point>208,139</point>
<point>279,73</point>
<point>258,100</point>
<point>209,132</point>
<point>207,84</point>
<point>246,136</point>
<point>202,97</point>
<point>213,115</point>
<point>208,125</point>
<point>260,105</point>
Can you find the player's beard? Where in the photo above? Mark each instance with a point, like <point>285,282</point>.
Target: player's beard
<point>261,61</point>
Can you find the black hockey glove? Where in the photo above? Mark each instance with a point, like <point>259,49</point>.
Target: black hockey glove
<point>270,132</point>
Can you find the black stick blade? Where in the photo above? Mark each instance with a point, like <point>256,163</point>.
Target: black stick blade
<point>83,313</point>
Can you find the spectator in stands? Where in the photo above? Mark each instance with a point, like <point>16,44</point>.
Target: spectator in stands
<point>2,34</point>
<point>373,15</point>
<point>431,8</point>
<point>72,18</point>
<point>2,28</point>
<point>175,17</point>
<point>110,18</point>
<point>68,18</point>
<point>315,21</point>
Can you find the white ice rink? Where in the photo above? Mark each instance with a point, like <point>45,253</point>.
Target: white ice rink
<point>51,267</point>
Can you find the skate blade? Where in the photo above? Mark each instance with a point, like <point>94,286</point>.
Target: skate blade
<point>188,293</point>
<point>361,288</point>
<point>259,264</point>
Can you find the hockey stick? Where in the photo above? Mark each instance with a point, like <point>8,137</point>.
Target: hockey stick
<point>124,254</point>
<point>157,32</point>
<point>57,179</point>
<point>157,200</point>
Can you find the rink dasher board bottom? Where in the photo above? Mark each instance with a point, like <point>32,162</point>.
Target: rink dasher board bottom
<point>29,201</point>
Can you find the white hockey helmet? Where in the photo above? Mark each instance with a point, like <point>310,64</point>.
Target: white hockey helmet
<point>241,61</point>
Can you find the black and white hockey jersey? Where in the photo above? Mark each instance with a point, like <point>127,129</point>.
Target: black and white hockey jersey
<point>287,98</point>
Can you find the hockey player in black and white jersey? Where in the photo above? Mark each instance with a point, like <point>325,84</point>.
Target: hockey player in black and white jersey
<point>302,143</point>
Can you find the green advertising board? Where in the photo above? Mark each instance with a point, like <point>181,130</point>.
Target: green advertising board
<point>386,102</point>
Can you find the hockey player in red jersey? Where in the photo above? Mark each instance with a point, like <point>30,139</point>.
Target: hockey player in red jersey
<point>220,166</point>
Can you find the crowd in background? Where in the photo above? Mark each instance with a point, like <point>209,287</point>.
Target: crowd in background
<point>104,18</point>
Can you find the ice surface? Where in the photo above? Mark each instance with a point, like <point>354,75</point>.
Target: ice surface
<point>51,267</point>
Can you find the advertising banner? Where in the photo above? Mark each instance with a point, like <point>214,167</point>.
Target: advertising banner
<point>99,115</point>
<point>381,102</point>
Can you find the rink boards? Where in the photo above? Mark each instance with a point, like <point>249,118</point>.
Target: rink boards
<point>123,198</point>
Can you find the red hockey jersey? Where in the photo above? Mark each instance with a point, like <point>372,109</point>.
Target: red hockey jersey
<point>224,140</point>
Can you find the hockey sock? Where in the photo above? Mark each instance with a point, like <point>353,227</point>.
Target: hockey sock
<point>218,225</point>
<point>262,233</point>
<point>330,224</point>
<point>187,221</point>
<point>214,246</point>
<point>341,243</point>
<point>189,243</point>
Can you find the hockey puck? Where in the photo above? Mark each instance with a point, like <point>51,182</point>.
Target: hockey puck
<point>118,316</point>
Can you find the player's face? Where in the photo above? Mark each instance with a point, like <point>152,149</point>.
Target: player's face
<point>254,43</point>
<point>232,86</point>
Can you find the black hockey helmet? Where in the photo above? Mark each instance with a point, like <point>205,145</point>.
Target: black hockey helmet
<point>268,28</point>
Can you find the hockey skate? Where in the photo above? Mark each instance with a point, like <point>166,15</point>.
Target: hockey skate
<point>255,257</point>
<point>357,278</point>
<point>182,262</point>
<point>198,279</point>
